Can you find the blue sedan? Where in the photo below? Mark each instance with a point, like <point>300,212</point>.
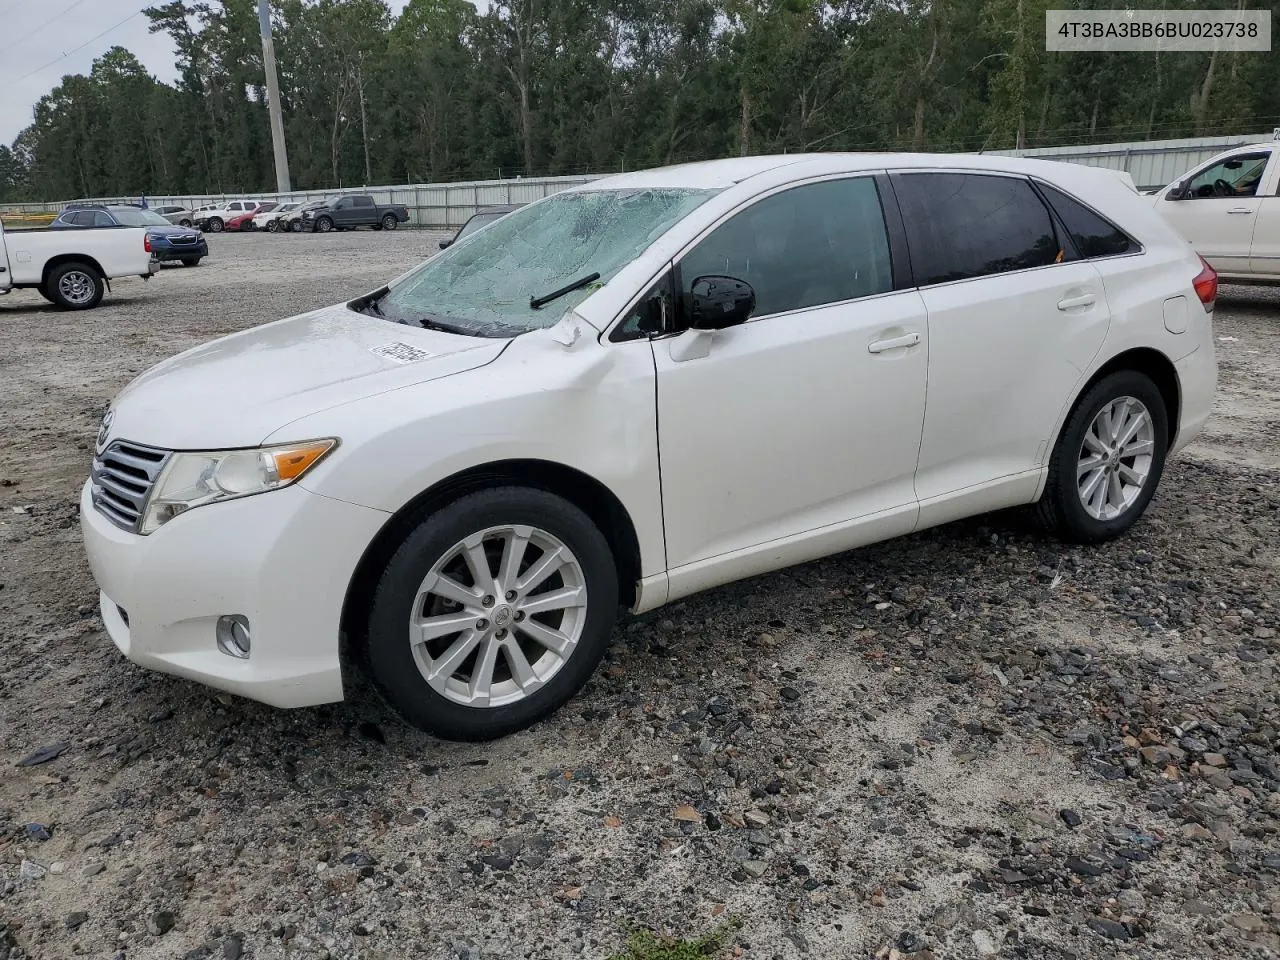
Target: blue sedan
<point>168,242</point>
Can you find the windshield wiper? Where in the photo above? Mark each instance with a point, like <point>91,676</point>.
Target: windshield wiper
<point>538,302</point>
<point>428,323</point>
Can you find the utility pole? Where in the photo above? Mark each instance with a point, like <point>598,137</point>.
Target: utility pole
<point>273,98</point>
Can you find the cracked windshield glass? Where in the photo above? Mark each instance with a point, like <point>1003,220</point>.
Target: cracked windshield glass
<point>485,283</point>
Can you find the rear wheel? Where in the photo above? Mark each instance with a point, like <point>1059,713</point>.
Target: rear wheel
<point>1108,460</point>
<point>495,611</point>
<point>184,222</point>
<point>191,261</point>
<point>75,286</point>
<point>296,226</point>
<point>214,225</point>
<point>271,226</point>
<point>389,222</point>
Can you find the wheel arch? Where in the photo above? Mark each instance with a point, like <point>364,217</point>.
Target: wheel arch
<point>64,258</point>
<point>1153,364</point>
<point>582,490</point>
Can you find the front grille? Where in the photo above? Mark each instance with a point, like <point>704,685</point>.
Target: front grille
<point>185,238</point>
<point>122,478</point>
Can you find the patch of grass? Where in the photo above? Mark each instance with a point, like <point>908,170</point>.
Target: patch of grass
<point>645,945</point>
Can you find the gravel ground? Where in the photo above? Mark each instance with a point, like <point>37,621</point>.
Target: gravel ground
<point>971,742</point>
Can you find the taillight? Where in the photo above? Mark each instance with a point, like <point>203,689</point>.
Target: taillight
<point>1206,284</point>
<point>146,243</point>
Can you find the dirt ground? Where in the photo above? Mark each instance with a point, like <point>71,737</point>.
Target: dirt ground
<point>971,742</point>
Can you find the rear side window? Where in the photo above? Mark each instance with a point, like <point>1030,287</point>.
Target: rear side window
<point>964,225</point>
<point>1093,235</point>
<point>362,202</point>
<point>810,245</point>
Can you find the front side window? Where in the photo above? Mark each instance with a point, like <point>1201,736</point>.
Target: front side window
<point>1092,234</point>
<point>807,246</point>
<point>362,202</point>
<point>483,285</point>
<point>1238,176</point>
<point>965,225</point>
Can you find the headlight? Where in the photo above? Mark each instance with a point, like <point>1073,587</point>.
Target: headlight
<point>194,479</point>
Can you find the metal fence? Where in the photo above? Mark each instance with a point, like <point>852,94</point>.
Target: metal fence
<point>1152,164</point>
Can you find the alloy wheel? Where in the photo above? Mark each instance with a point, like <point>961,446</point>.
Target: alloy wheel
<point>1115,458</point>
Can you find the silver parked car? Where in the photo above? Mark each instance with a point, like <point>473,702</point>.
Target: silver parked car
<point>181,216</point>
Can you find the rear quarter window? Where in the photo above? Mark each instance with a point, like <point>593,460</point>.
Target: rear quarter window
<point>1093,234</point>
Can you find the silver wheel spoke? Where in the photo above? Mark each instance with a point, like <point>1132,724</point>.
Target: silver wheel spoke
<point>433,628</point>
<point>1093,443</point>
<point>1089,464</point>
<point>1118,419</point>
<point>1099,498</point>
<point>545,636</point>
<point>482,676</point>
<point>547,564</point>
<point>1138,448</point>
<point>453,658</point>
<point>521,672</point>
<point>512,557</point>
<point>478,564</point>
<point>1115,492</point>
<point>555,600</point>
<point>1091,486</point>
<point>451,589</point>
<point>1131,430</point>
<point>1130,475</point>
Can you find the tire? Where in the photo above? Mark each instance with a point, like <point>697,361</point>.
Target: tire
<point>324,224</point>
<point>184,222</point>
<point>214,225</point>
<point>389,222</point>
<point>44,292</point>
<point>296,226</point>
<point>1062,507</point>
<point>396,667</point>
<point>191,261</point>
<point>271,226</point>
<point>75,286</point>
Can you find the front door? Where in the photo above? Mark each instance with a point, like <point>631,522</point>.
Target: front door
<point>782,430</point>
<point>1218,210</point>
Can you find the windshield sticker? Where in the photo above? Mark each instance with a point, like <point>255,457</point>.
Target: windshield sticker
<point>401,352</point>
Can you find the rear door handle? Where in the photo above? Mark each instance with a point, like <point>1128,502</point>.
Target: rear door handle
<point>893,343</point>
<point>1084,300</point>
<point>1241,210</point>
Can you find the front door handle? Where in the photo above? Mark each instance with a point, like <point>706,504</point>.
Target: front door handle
<point>1084,300</point>
<point>1241,210</point>
<point>893,343</point>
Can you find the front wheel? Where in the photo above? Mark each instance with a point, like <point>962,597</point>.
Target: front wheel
<point>75,286</point>
<point>324,224</point>
<point>191,261</point>
<point>296,226</point>
<point>389,222</point>
<point>495,611</point>
<point>1108,460</point>
<point>184,222</point>
<point>214,225</point>
<point>271,226</point>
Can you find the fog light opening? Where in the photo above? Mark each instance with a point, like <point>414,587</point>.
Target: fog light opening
<point>233,636</point>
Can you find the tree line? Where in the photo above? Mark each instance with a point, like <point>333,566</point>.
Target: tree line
<point>446,91</point>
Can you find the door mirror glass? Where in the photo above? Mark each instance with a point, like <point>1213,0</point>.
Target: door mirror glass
<point>716,303</point>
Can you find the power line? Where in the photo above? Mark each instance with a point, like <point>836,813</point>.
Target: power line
<point>14,43</point>
<point>76,49</point>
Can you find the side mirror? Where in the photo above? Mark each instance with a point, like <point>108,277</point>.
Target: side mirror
<point>1179,192</point>
<point>716,303</point>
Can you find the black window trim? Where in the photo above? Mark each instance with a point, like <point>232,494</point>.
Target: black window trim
<point>1253,150</point>
<point>1059,229</point>
<point>1137,249</point>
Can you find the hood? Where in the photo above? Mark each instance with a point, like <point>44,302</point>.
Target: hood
<point>236,391</point>
<point>171,231</point>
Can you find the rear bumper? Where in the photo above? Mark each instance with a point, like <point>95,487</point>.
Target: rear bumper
<point>1198,380</point>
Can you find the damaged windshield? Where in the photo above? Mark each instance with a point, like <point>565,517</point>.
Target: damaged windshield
<point>525,270</point>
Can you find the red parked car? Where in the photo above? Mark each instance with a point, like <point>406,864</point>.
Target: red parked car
<point>245,220</point>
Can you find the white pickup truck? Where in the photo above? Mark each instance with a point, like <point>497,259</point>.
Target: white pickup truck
<point>72,268</point>
<point>1228,209</point>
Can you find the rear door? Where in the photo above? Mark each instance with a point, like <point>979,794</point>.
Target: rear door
<point>1264,253</point>
<point>1218,211</point>
<point>1012,324</point>
<point>6,281</point>
<point>363,211</point>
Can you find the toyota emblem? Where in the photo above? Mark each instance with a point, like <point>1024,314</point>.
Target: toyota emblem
<point>105,430</point>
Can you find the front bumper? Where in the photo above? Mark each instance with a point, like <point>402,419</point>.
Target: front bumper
<point>172,251</point>
<point>282,559</point>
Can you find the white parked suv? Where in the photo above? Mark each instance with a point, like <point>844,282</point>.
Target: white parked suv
<point>632,391</point>
<point>213,219</point>
<point>1228,208</point>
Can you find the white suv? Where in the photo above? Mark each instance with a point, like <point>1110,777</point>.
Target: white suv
<point>632,391</point>
<point>1228,209</point>
<point>215,218</point>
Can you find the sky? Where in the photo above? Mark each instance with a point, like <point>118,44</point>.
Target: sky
<point>43,40</point>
